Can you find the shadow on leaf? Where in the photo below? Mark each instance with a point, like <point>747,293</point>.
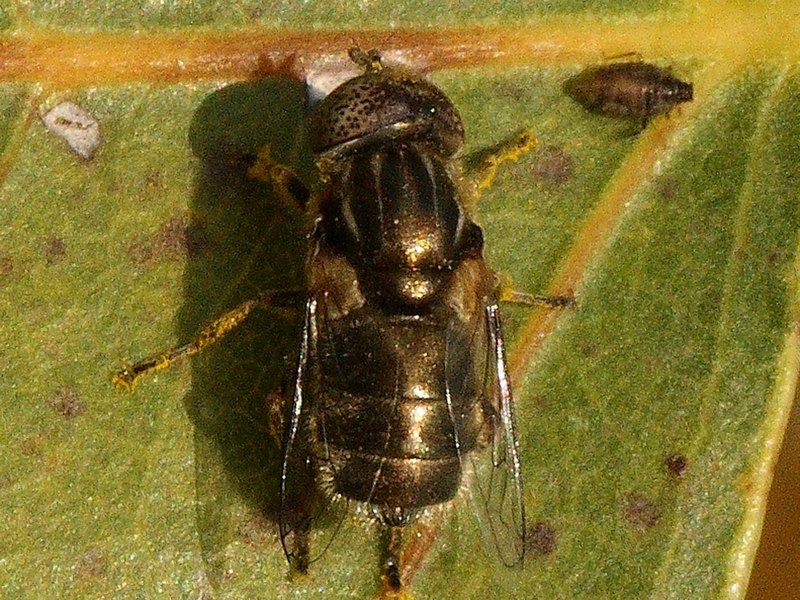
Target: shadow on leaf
<point>251,242</point>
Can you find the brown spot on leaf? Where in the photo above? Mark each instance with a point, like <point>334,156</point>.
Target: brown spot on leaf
<point>509,90</point>
<point>553,166</point>
<point>255,14</point>
<point>667,188</point>
<point>676,464</point>
<point>140,252</point>
<point>31,445</point>
<point>67,402</point>
<point>54,250</point>
<point>91,565</point>
<point>177,238</point>
<point>6,265</point>
<point>773,258</point>
<point>640,511</point>
<point>541,539</point>
<point>154,179</point>
<point>257,531</point>
<point>589,348</point>
<point>173,238</point>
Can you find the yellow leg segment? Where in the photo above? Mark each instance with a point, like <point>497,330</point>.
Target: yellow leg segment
<point>284,181</point>
<point>127,377</point>
<point>516,297</point>
<point>506,293</point>
<point>515,149</point>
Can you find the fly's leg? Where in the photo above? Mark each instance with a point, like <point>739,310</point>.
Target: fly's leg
<point>298,491</point>
<point>484,174</point>
<point>127,377</point>
<point>504,292</point>
<point>509,151</point>
<point>393,535</point>
<point>517,297</point>
<point>296,517</point>
<point>291,190</point>
<point>299,561</point>
<point>284,181</point>
<point>393,521</point>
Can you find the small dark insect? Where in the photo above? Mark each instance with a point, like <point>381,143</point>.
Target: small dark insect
<point>401,372</point>
<point>628,89</point>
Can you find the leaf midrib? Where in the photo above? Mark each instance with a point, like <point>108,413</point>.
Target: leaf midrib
<point>731,34</point>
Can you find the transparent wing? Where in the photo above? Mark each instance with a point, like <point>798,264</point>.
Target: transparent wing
<point>495,484</point>
<point>304,507</point>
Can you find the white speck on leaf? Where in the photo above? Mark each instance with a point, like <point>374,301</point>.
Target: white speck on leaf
<point>76,127</point>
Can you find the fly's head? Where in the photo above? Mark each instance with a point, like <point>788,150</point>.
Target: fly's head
<point>382,105</point>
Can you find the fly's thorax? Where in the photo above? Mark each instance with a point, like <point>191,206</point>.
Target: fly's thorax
<point>396,212</point>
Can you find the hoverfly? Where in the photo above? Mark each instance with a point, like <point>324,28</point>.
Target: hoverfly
<point>401,375</point>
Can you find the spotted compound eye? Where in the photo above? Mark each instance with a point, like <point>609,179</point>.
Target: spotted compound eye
<point>384,105</point>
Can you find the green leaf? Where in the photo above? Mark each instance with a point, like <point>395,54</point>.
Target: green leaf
<point>650,414</point>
